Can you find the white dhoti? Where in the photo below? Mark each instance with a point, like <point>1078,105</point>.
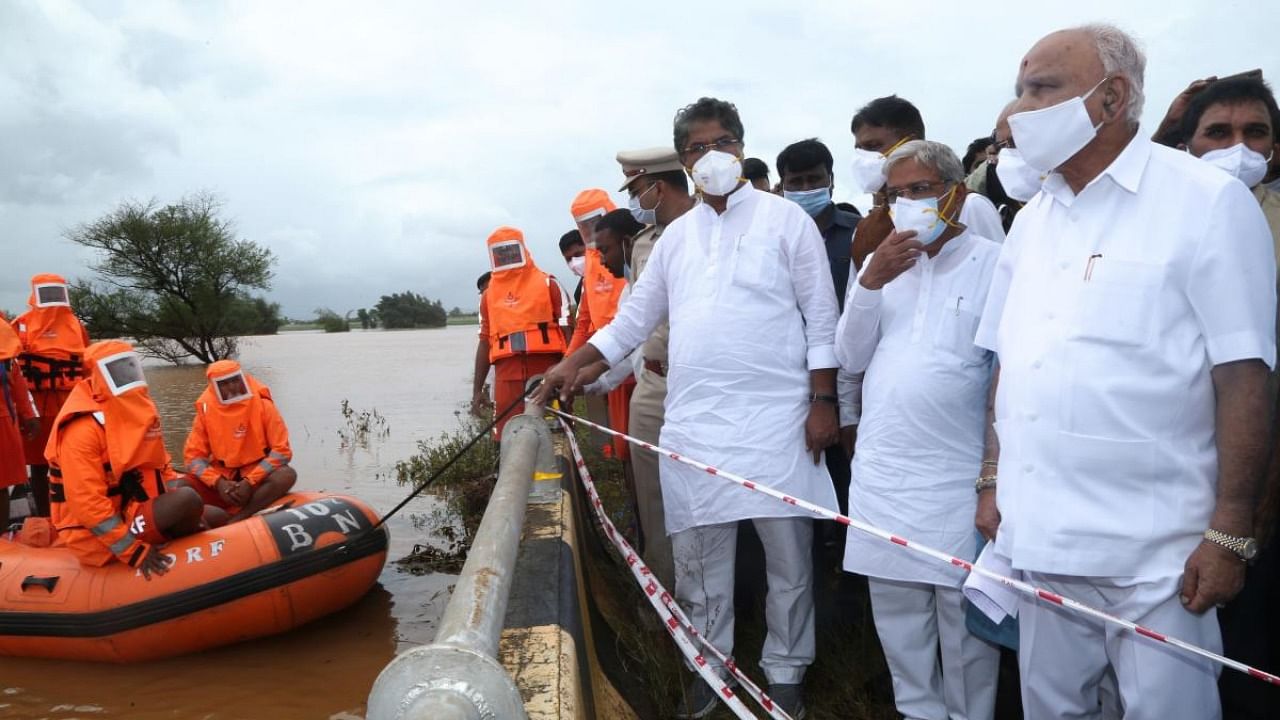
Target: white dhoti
<point>912,620</point>
<point>1065,657</point>
<point>704,565</point>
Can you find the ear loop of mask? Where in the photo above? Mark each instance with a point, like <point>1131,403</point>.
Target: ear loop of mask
<point>942,212</point>
<point>905,139</point>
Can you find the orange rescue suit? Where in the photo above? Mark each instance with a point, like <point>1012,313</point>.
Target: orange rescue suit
<point>247,439</point>
<point>53,343</point>
<point>107,464</point>
<point>520,308</point>
<point>16,406</point>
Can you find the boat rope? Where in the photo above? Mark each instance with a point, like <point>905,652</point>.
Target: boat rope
<point>942,557</point>
<point>457,456</point>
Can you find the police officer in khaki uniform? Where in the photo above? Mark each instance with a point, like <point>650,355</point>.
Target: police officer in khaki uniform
<point>659,193</point>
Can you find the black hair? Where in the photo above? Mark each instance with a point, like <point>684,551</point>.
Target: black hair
<point>804,155</point>
<point>621,222</point>
<point>976,148</point>
<point>754,168</point>
<point>725,113</point>
<point>1231,92</point>
<point>890,112</point>
<point>483,280</point>
<point>569,239</point>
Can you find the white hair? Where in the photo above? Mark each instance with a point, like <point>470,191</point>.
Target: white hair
<point>930,154</point>
<point>1120,55</point>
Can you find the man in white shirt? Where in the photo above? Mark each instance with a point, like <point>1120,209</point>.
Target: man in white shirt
<point>1133,313</point>
<point>909,324</point>
<point>880,127</point>
<point>745,282</point>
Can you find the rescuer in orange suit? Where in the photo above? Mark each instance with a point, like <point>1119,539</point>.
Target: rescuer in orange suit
<point>112,491</point>
<point>238,449</point>
<point>17,418</point>
<point>600,294</point>
<point>53,342</point>
<point>522,319</point>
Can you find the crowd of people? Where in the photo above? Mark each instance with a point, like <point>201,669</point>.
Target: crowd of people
<point>1085,403</point>
<point>81,436</point>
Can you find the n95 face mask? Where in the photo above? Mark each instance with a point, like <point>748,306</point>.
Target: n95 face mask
<point>1245,164</point>
<point>1020,181</point>
<point>717,173</point>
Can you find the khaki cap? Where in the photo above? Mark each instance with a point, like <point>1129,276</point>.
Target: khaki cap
<point>638,163</point>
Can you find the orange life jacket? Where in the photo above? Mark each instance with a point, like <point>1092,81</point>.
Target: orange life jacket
<point>234,435</point>
<point>518,307</point>
<point>10,343</point>
<point>53,340</point>
<point>601,290</point>
<point>101,497</point>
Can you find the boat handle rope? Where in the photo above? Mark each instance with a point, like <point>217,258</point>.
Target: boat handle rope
<point>457,456</point>
<point>1019,585</point>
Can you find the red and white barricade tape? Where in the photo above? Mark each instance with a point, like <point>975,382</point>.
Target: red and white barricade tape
<point>1019,585</point>
<point>673,618</point>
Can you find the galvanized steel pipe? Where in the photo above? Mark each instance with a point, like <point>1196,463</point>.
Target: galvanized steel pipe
<point>457,676</point>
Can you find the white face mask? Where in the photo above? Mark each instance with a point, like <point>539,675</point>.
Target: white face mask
<point>868,170</point>
<point>578,265</point>
<point>717,173</point>
<point>643,215</point>
<point>1051,136</point>
<point>920,215</point>
<point>1020,181</point>
<point>1245,164</point>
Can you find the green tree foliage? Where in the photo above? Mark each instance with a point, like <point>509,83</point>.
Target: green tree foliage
<point>175,279</point>
<point>410,310</point>
<point>368,318</point>
<point>331,321</point>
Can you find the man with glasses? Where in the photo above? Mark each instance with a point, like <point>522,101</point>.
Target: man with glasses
<point>909,324</point>
<point>745,282</point>
<point>880,127</point>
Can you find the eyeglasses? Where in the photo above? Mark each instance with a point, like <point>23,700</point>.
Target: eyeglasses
<point>912,191</point>
<point>723,143</point>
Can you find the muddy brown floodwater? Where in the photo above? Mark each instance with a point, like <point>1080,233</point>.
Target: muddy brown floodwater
<point>416,380</point>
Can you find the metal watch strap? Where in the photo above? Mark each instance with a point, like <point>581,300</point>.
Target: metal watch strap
<point>1235,544</point>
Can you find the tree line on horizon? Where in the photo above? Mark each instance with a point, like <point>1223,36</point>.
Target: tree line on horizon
<point>176,280</point>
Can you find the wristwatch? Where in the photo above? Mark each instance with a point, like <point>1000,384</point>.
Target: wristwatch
<point>1246,548</point>
<point>819,397</point>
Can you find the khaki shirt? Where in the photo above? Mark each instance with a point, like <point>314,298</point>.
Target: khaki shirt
<point>655,348</point>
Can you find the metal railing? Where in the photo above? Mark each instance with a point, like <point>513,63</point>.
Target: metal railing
<point>457,677</point>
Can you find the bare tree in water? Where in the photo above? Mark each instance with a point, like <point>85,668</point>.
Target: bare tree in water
<point>174,279</point>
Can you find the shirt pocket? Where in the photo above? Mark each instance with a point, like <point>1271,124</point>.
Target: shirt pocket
<point>755,263</point>
<point>957,329</point>
<point>1117,302</point>
<point>1107,489</point>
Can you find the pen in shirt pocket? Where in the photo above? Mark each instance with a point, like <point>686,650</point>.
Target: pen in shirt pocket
<point>958,299</point>
<point>1088,268</point>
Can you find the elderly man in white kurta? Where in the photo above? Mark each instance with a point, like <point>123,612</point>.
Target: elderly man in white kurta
<point>1133,313</point>
<point>909,324</point>
<point>745,281</point>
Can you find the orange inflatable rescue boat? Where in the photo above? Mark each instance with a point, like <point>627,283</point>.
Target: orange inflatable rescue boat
<point>310,555</point>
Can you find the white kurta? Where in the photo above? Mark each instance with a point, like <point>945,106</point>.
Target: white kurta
<point>752,311</point>
<point>1108,309</point>
<point>981,218</point>
<point>923,409</point>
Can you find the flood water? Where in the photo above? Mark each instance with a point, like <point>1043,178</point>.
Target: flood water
<point>416,380</point>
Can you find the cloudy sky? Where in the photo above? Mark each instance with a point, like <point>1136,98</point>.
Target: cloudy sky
<point>373,146</point>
